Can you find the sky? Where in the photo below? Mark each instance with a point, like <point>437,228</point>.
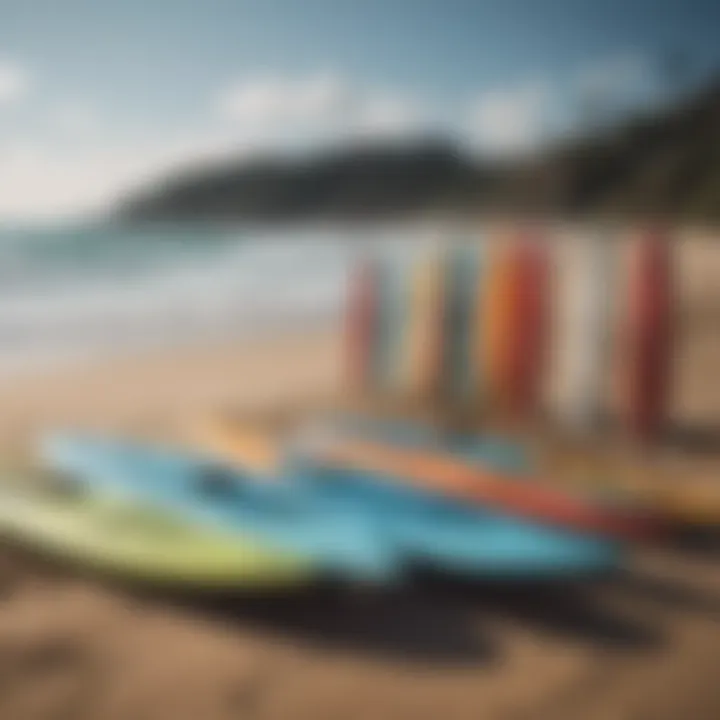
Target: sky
<point>98,96</point>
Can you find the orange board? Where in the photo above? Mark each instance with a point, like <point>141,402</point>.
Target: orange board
<point>444,474</point>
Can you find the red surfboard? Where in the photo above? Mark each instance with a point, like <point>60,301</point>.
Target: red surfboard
<point>649,336</point>
<point>527,341</point>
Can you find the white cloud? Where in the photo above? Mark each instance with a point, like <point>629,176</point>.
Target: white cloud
<point>279,101</point>
<point>322,105</point>
<point>39,180</point>
<point>512,120</point>
<point>13,82</point>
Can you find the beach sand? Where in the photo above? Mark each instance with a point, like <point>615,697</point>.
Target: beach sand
<point>641,646</point>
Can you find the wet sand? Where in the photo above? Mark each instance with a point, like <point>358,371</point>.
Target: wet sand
<point>644,645</point>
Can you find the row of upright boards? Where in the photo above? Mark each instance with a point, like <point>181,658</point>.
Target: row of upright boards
<point>515,324</point>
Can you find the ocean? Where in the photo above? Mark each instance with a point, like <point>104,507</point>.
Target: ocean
<point>73,293</point>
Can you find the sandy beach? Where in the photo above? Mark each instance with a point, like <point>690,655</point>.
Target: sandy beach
<point>641,646</point>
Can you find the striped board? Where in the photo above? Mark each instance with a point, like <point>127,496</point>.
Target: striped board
<point>582,331</point>
<point>422,353</point>
<point>648,336</point>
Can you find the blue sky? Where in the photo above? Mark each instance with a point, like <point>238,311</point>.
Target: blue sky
<point>96,95</point>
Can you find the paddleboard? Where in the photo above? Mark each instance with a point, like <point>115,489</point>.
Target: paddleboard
<point>419,529</point>
<point>138,543</point>
<point>327,535</point>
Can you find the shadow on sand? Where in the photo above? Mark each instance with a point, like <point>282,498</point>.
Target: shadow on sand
<point>397,624</point>
<point>693,438</point>
<point>670,594</point>
<point>572,610</point>
<point>434,619</point>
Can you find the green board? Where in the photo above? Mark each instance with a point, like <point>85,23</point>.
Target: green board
<point>114,536</point>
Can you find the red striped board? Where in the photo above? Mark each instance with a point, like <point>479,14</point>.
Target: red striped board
<point>649,336</point>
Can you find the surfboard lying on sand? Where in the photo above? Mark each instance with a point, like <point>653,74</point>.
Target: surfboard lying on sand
<point>327,535</point>
<point>408,528</point>
<point>138,543</point>
<point>445,474</point>
<point>492,472</point>
<point>261,449</point>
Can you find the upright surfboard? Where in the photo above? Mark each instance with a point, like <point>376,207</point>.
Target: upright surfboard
<point>496,322</point>
<point>424,337</point>
<point>361,325</point>
<point>582,330</point>
<point>528,327</point>
<point>460,378</point>
<point>391,319</point>
<point>648,339</point>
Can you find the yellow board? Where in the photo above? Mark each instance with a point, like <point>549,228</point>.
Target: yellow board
<point>423,335</point>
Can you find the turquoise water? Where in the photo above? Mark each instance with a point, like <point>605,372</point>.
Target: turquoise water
<point>69,293</point>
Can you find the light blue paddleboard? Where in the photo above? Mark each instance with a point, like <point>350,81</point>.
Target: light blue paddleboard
<point>355,523</point>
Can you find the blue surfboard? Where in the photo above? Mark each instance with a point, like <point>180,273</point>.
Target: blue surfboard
<point>352,523</point>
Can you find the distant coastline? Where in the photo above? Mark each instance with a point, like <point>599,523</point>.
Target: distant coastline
<point>666,165</point>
